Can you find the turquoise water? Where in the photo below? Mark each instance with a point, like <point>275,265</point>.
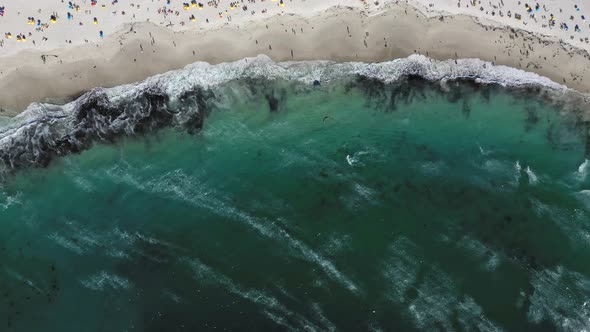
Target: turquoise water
<point>449,211</point>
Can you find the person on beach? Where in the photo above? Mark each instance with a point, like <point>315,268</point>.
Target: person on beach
<point>531,15</point>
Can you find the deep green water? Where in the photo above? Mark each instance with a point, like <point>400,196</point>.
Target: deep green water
<point>334,213</point>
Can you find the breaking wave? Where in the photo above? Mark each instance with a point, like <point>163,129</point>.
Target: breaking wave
<point>184,97</point>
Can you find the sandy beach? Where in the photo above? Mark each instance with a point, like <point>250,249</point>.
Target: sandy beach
<point>294,165</point>
<point>149,39</point>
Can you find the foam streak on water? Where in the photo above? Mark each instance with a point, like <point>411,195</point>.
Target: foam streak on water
<point>246,197</point>
<point>179,184</point>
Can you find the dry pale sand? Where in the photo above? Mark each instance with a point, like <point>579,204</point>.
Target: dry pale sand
<point>340,34</point>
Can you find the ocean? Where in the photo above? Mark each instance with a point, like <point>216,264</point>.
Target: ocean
<point>267,203</point>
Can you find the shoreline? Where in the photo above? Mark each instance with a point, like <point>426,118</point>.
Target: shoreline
<point>342,34</point>
<point>183,99</point>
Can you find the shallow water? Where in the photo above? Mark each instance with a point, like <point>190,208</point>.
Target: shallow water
<point>341,210</point>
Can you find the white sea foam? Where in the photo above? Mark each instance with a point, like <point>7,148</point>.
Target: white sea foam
<point>66,243</point>
<point>483,151</point>
<point>433,168</point>
<point>44,124</point>
<point>573,222</point>
<point>517,172</point>
<point>350,160</point>
<point>401,268</point>
<point>279,320</point>
<point>437,299</point>
<point>103,280</point>
<point>561,296</point>
<point>77,238</point>
<point>490,259</point>
<point>272,308</point>
<point>517,167</point>
<point>178,185</point>
<point>495,175</point>
<point>355,158</point>
<point>206,75</point>
<point>290,157</point>
<point>337,244</point>
<point>533,179</point>
<point>365,192</point>
<point>582,171</point>
<point>584,197</point>
<point>173,296</point>
<point>583,168</point>
<point>521,299</point>
<point>112,242</point>
<point>22,279</point>
<point>321,317</point>
<point>81,182</point>
<point>540,208</point>
<point>9,200</point>
<point>434,303</point>
<point>470,316</point>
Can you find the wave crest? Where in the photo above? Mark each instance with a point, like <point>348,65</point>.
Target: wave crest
<point>183,98</point>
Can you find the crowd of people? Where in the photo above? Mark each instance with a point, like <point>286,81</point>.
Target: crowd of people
<point>90,20</point>
<point>565,15</point>
<point>81,15</point>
